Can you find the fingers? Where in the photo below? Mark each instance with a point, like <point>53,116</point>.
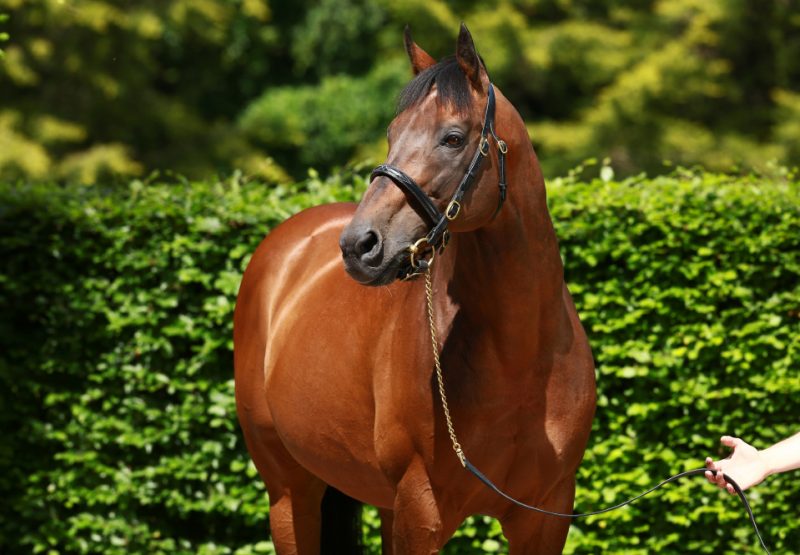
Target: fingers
<point>715,476</point>
<point>732,442</point>
<point>710,465</point>
<point>719,479</point>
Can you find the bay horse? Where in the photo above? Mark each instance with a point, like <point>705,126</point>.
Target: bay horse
<point>335,388</point>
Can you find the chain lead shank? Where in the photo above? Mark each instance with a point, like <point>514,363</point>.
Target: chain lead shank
<point>437,363</point>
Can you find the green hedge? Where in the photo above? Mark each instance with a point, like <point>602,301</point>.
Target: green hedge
<point>116,371</point>
<point>689,288</point>
<point>117,367</point>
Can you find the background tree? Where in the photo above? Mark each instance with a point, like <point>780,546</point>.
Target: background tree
<point>270,88</point>
<point>3,35</point>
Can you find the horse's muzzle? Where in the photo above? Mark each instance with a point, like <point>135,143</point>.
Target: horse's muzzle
<point>363,255</point>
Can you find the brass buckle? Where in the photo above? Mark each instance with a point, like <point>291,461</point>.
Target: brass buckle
<point>453,209</point>
<point>501,144</point>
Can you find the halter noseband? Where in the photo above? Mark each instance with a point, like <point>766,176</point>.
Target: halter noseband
<point>438,234</point>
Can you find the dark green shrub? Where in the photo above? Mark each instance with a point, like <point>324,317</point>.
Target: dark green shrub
<point>116,374</point>
<point>689,289</point>
<point>348,112</point>
<point>115,362</point>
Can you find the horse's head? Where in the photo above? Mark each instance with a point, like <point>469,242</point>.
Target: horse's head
<point>435,179</point>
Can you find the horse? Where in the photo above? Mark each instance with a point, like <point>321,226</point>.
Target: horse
<point>336,391</point>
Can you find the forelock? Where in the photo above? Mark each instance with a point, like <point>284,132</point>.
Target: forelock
<point>452,86</point>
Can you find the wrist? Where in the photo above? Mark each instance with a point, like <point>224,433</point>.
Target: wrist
<point>769,464</point>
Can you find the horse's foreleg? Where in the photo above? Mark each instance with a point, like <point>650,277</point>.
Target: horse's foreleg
<point>295,495</point>
<point>387,524</point>
<point>531,533</point>
<point>417,524</point>
<point>294,518</point>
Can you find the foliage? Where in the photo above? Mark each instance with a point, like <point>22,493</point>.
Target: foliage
<point>116,368</point>
<point>353,109</point>
<point>102,87</point>
<point>691,92</point>
<point>689,288</point>
<point>92,88</point>
<point>115,359</point>
<point>3,36</point>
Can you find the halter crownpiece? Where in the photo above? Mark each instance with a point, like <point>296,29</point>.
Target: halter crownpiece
<point>438,234</point>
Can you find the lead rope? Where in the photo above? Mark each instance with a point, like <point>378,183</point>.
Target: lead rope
<point>438,365</point>
<point>482,477</point>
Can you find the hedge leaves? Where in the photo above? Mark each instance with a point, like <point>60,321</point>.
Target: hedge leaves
<point>116,384</point>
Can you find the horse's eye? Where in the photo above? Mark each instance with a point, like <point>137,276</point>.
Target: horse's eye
<point>453,140</point>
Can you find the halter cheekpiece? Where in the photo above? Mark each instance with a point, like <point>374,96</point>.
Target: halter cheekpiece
<point>438,234</point>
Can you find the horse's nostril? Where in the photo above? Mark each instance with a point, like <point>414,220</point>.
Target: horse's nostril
<point>366,244</point>
<point>362,246</point>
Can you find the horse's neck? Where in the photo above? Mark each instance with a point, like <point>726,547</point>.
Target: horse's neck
<point>508,276</point>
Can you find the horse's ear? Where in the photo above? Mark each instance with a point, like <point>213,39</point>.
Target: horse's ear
<point>469,60</point>
<point>420,60</point>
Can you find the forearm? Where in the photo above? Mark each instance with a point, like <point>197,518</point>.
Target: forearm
<point>783,456</point>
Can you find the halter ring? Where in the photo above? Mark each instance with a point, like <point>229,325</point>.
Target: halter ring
<point>417,251</point>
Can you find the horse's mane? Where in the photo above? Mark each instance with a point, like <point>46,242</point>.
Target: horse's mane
<point>451,83</point>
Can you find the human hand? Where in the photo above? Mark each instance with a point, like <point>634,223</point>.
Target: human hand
<point>744,465</point>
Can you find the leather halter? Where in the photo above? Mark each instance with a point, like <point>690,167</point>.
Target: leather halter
<point>438,234</point>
